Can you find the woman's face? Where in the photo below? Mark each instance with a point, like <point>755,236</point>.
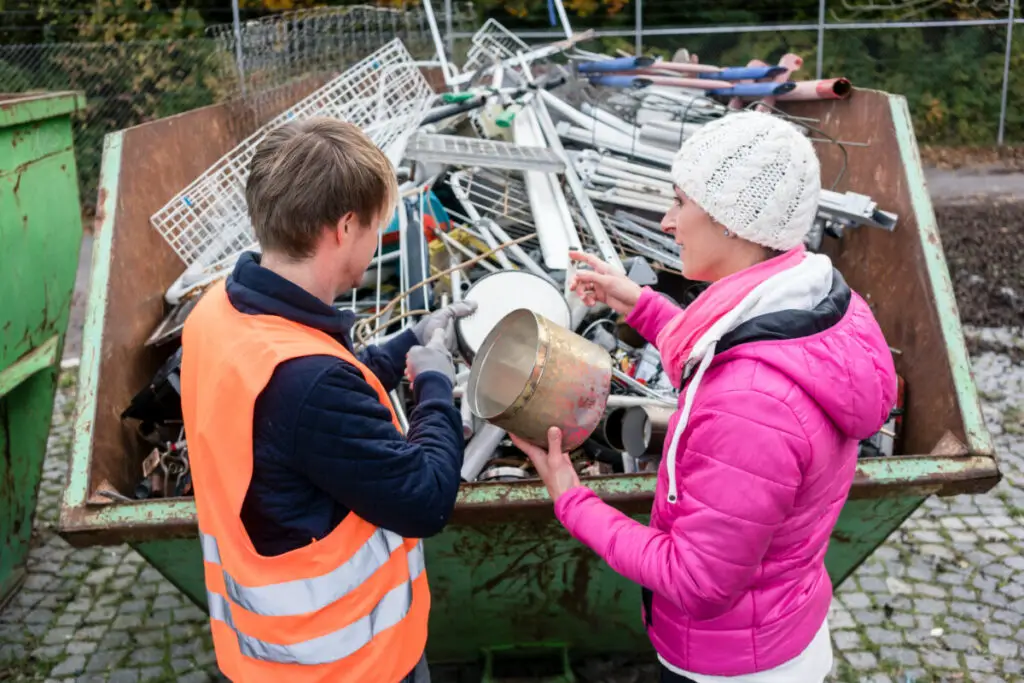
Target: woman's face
<point>703,243</point>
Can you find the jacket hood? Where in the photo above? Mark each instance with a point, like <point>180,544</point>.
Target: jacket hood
<point>834,351</point>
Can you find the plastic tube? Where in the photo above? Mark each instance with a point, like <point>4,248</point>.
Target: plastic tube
<point>755,90</point>
<point>827,89</point>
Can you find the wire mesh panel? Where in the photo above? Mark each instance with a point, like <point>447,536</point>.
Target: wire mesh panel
<point>493,42</point>
<point>385,94</point>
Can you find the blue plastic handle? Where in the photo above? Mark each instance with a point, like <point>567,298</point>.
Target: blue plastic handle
<point>620,81</point>
<point>754,89</point>
<point>620,64</point>
<point>741,73</point>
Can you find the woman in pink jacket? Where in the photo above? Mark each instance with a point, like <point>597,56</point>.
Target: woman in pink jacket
<point>783,371</point>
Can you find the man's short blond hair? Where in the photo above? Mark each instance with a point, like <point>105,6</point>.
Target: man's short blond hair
<point>305,176</point>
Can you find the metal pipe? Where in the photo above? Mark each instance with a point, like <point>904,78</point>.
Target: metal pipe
<point>620,401</point>
<point>467,419</point>
<point>638,48</point>
<point>563,17</point>
<point>1006,76</point>
<point>820,53</point>
<point>435,33</point>
<point>236,21</point>
<point>638,150</point>
<point>466,251</point>
<point>448,33</point>
<point>644,429</point>
<point>519,253</point>
<point>828,89</point>
<point>590,217</point>
<point>480,450</point>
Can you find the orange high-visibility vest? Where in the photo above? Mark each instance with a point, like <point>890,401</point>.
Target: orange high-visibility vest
<point>352,606</point>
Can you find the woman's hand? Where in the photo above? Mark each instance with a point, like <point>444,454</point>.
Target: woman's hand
<point>554,467</point>
<point>604,284</point>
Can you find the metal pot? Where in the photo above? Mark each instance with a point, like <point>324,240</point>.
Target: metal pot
<point>531,374</point>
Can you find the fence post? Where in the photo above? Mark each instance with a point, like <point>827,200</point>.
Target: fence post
<point>1006,75</point>
<point>639,49</point>
<point>821,39</point>
<point>449,32</point>
<point>236,21</point>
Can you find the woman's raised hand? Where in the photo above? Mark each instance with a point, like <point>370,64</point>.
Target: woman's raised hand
<point>603,283</point>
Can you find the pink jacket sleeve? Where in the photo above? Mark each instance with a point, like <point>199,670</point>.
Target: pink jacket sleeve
<point>737,481</point>
<point>651,313</point>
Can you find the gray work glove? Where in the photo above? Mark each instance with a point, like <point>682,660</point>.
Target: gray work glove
<point>443,320</point>
<point>434,357</point>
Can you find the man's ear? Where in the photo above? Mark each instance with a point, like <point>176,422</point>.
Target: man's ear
<point>346,225</point>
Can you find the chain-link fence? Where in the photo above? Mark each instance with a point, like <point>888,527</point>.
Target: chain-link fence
<point>964,79</point>
<point>131,82</point>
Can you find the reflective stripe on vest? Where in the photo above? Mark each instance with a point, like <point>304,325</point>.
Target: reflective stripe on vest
<point>388,612</point>
<point>302,596</point>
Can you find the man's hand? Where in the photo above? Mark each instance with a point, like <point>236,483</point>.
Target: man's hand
<point>443,320</point>
<point>434,357</point>
<point>554,466</point>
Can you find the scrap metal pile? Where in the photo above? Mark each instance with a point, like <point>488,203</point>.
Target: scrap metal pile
<point>531,152</point>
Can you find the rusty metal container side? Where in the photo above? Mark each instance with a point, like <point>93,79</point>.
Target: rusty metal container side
<point>504,572</point>
<point>40,235</point>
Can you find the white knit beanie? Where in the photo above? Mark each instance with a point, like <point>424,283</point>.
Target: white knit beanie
<point>754,173</point>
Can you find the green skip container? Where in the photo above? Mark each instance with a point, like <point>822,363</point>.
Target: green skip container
<point>504,575</point>
<point>40,235</point>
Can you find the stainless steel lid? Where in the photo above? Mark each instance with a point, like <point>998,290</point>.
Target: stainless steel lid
<point>498,294</point>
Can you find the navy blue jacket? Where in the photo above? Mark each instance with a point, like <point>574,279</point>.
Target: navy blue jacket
<point>324,445</point>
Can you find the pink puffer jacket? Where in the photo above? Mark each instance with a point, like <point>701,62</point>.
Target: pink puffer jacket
<point>733,570</point>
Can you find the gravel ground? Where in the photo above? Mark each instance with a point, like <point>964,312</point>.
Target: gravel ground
<point>984,239</point>
<point>941,600</point>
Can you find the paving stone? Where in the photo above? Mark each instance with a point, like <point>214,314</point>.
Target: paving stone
<point>147,655</point>
<point>941,659</point>
<point>105,660</point>
<point>861,660</point>
<point>70,666</point>
<point>929,606</point>
<point>127,622</point>
<point>901,655</point>
<point>1003,648</point>
<point>978,663</point>
<point>81,648</point>
<point>133,607</point>
<point>151,673</point>
<point>124,676</point>
<point>962,642</point>
<point>195,677</point>
<point>846,640</point>
<point>881,636</point>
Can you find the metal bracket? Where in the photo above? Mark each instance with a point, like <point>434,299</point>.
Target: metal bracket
<point>37,359</point>
<point>838,211</point>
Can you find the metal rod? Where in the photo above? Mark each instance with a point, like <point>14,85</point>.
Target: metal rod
<point>435,33</point>
<point>1006,75</point>
<point>639,48</point>
<point>821,37</point>
<point>480,450</point>
<point>766,28</point>
<point>563,17</point>
<point>590,217</point>
<point>237,22</point>
<point>448,29</point>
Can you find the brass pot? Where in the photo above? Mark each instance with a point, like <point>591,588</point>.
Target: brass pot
<point>531,374</point>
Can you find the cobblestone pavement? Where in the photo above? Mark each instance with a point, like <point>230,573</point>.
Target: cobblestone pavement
<point>942,600</point>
